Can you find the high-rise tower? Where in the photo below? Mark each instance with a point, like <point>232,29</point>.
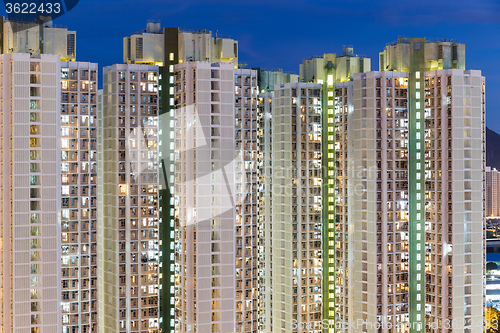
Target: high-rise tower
<point>335,74</point>
<point>78,114</point>
<point>413,157</point>
<point>128,240</point>
<point>491,192</point>
<point>178,47</point>
<point>30,193</point>
<point>205,208</point>
<point>216,198</point>
<point>292,293</point>
<point>152,45</point>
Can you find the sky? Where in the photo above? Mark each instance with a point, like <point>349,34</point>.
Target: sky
<point>281,33</point>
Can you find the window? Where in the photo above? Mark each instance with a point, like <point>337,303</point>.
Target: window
<point>35,116</point>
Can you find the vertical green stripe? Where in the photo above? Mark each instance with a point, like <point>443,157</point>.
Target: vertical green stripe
<point>416,187</point>
<point>166,229</point>
<point>328,207</point>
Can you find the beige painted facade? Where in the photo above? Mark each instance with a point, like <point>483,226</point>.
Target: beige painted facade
<point>492,195</point>
<point>30,194</point>
<point>128,225</point>
<point>205,196</point>
<point>291,297</point>
<point>372,173</point>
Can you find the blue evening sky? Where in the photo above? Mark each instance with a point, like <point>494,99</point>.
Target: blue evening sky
<point>281,33</point>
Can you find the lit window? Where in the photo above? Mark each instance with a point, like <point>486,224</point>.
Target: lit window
<point>330,80</point>
<point>65,190</point>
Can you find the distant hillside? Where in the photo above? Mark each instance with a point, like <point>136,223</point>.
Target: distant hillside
<point>492,149</point>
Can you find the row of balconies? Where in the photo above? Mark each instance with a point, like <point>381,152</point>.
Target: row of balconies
<point>72,156</point>
<point>77,226</point>
<point>82,109</point>
<point>73,203</point>
<point>74,249</point>
<point>84,262</point>
<point>245,81</point>
<point>90,168</point>
<point>84,295</point>
<point>68,238</point>
<point>84,215</point>
<point>73,85</point>
<point>85,307</point>
<point>84,272</point>
<point>77,284</point>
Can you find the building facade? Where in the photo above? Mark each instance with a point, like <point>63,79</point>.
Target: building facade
<point>342,67</point>
<point>37,38</point>
<point>372,201</point>
<point>332,72</point>
<point>438,54</point>
<point>246,184</point>
<point>145,47</point>
<point>128,241</point>
<point>205,169</point>
<point>179,47</point>
<point>30,195</point>
<point>268,78</point>
<point>291,297</point>
<point>492,197</point>
<point>78,114</point>
<point>265,192</point>
<point>417,138</point>
<point>154,44</point>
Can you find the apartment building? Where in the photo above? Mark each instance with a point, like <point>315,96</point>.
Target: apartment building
<point>128,227</point>
<point>78,114</point>
<point>246,184</point>
<point>145,47</point>
<point>37,38</point>
<point>439,53</point>
<point>205,169</point>
<point>152,45</point>
<point>332,71</point>
<point>491,194</point>
<point>268,78</point>
<point>372,261</point>
<point>411,158</point>
<point>30,193</point>
<point>265,203</point>
<point>292,296</point>
<point>342,66</point>
<point>177,47</point>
